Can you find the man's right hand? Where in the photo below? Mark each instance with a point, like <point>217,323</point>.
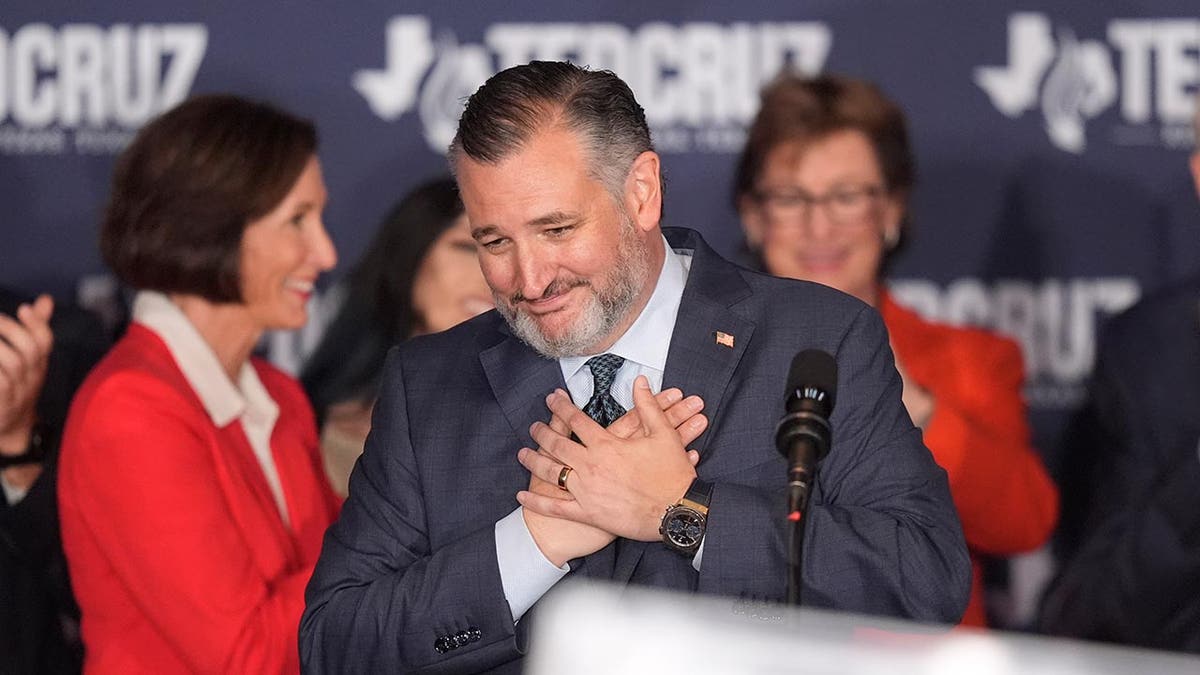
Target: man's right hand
<point>562,540</point>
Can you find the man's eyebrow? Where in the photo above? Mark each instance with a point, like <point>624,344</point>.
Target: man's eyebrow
<point>478,233</point>
<point>552,218</point>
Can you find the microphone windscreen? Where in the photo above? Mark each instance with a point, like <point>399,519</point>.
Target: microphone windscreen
<point>813,370</point>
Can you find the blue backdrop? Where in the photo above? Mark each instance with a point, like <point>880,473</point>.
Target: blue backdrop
<point>1052,137</point>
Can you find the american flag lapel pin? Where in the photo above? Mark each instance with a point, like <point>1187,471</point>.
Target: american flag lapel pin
<point>725,339</point>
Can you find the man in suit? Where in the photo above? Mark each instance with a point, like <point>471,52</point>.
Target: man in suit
<point>1133,560</point>
<point>434,565</point>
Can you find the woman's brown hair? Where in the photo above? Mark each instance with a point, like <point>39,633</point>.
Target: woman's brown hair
<point>189,184</point>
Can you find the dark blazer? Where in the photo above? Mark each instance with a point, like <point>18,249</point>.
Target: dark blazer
<point>1133,571</point>
<point>412,559</point>
<point>39,621</point>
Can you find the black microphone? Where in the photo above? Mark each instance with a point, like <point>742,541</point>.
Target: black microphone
<point>803,434</point>
<point>803,437</point>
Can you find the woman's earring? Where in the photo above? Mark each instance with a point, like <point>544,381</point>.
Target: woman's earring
<point>891,237</point>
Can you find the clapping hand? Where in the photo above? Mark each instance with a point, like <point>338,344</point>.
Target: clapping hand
<point>25,343</point>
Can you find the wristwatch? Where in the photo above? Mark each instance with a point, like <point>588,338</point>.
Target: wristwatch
<point>34,453</point>
<point>683,525</point>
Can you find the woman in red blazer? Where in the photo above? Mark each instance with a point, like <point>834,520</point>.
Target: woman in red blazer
<point>822,189</point>
<point>192,497</point>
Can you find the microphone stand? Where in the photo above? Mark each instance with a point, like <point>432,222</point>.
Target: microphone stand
<point>799,486</point>
<point>803,437</point>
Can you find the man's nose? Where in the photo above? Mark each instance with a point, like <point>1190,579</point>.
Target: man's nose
<point>536,274</point>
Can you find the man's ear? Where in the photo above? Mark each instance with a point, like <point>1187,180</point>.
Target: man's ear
<point>643,191</point>
<point>753,223</point>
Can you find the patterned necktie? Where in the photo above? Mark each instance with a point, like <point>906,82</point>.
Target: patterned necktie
<point>603,407</point>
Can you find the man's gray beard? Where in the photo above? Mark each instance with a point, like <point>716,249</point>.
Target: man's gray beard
<point>603,310</point>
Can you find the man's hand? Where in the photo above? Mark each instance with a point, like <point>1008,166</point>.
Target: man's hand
<point>25,344</point>
<point>619,485</point>
<point>561,540</point>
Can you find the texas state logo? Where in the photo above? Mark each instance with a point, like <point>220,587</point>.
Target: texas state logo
<point>698,82</point>
<point>1147,69</point>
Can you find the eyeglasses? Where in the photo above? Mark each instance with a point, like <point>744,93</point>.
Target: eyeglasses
<point>844,206</point>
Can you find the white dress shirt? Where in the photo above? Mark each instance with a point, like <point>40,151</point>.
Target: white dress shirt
<point>525,573</point>
<point>225,401</point>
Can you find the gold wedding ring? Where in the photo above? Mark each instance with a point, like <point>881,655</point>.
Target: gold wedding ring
<point>562,477</point>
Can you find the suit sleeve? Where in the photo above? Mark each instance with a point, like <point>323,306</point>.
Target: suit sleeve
<point>381,598</point>
<point>980,434</point>
<point>882,535</point>
<point>140,482</point>
<point>1134,575</point>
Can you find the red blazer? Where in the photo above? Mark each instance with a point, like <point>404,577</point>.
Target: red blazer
<point>177,552</point>
<point>979,434</point>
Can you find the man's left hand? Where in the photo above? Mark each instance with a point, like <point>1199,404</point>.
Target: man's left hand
<point>619,485</point>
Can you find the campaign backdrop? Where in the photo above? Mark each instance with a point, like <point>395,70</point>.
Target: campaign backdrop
<point>1052,137</point>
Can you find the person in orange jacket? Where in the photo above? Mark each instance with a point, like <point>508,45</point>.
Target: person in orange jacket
<point>822,189</point>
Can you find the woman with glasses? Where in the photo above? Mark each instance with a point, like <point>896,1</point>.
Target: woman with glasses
<point>822,189</point>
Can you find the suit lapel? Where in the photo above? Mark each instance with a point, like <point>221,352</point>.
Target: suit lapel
<point>520,379</point>
<point>257,512</point>
<point>701,360</point>
<point>239,474</point>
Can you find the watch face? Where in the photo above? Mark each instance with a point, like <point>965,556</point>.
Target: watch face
<point>685,527</point>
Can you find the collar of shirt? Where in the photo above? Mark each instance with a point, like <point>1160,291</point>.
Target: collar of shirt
<point>223,400</point>
<point>644,346</point>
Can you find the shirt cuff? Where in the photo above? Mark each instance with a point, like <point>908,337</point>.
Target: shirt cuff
<point>525,574</point>
<point>698,556</point>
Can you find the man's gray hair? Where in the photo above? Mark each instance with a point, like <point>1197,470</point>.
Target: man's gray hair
<point>596,105</point>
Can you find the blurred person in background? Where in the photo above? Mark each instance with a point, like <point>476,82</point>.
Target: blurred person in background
<point>44,355</point>
<point>191,492</point>
<point>419,275</point>
<point>1134,576</point>
<point>822,188</point>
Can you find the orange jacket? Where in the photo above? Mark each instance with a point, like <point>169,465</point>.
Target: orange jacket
<point>979,434</point>
<point>177,552</point>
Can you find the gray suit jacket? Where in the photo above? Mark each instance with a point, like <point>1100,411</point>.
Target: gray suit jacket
<point>408,578</point>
